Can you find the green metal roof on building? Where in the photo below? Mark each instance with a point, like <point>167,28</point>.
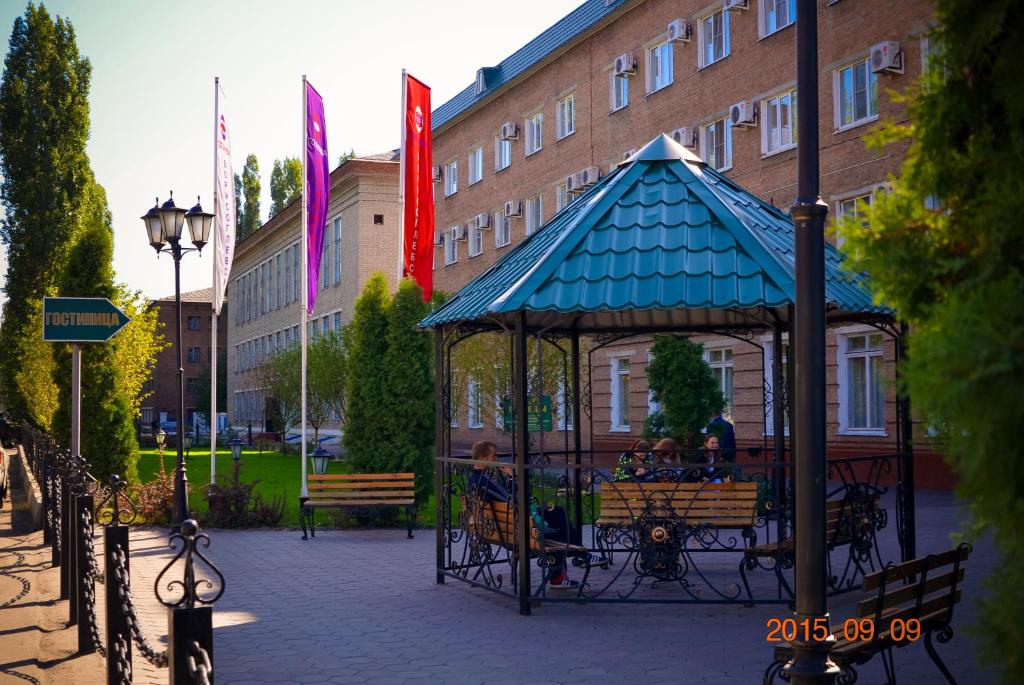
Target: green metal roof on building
<point>661,242</point>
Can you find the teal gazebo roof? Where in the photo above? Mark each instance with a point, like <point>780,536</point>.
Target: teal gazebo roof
<point>663,242</point>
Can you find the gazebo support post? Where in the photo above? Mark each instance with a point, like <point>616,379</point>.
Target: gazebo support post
<point>522,438</point>
<point>440,467</point>
<point>811,664</point>
<point>778,429</point>
<point>577,437</point>
<point>909,546</point>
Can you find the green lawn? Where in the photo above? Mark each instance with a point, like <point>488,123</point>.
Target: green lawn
<point>278,475</point>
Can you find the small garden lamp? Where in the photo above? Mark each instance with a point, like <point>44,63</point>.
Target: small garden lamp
<point>236,449</point>
<point>320,458</point>
<point>161,439</point>
<point>187,437</point>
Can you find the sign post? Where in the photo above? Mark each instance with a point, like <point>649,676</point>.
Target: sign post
<point>80,320</point>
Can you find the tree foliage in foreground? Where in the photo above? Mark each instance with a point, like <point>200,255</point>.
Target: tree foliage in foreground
<point>684,385</point>
<point>945,248</point>
<point>285,183</point>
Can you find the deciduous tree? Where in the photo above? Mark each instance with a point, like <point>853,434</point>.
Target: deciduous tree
<point>285,183</point>
<point>249,215</point>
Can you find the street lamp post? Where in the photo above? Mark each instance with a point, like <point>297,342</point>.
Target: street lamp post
<point>163,228</point>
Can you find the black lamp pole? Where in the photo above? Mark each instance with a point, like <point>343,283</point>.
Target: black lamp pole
<point>180,477</point>
<point>811,664</point>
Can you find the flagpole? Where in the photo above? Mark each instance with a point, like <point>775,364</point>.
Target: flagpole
<point>304,492</point>
<point>401,180</point>
<point>213,297</point>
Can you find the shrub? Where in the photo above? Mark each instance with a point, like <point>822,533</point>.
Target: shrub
<point>236,506</point>
<point>154,500</point>
<point>685,386</point>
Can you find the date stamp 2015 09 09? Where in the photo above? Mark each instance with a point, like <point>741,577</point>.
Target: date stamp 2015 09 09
<point>854,630</point>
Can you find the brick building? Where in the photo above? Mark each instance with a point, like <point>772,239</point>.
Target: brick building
<point>517,144</point>
<point>196,323</point>
<point>361,238</point>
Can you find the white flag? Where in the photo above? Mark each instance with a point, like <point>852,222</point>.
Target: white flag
<point>225,212</point>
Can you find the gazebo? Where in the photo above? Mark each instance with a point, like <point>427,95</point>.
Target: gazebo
<point>661,245</point>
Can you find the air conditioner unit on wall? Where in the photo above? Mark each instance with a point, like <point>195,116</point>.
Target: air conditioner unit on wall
<point>513,208</point>
<point>886,57</point>
<point>625,64</point>
<point>482,220</point>
<point>509,130</point>
<point>458,233</point>
<point>436,174</point>
<point>438,239</point>
<point>731,5</point>
<point>589,176</point>
<point>680,29</point>
<point>628,153</point>
<point>573,182</point>
<point>686,136</point>
<point>743,114</point>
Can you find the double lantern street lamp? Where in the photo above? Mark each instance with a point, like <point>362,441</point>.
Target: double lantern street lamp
<point>163,228</point>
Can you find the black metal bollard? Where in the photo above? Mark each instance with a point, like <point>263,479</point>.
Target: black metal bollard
<point>54,514</point>
<point>83,581</point>
<point>186,626</point>
<point>65,535</point>
<point>43,481</point>
<point>115,536</point>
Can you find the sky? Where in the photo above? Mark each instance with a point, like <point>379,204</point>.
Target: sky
<point>154,63</point>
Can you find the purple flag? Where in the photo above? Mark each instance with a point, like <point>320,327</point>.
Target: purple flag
<point>317,190</point>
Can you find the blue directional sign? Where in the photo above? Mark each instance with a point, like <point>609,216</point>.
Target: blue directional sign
<point>81,319</point>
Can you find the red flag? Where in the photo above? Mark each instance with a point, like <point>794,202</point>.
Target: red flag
<point>417,187</point>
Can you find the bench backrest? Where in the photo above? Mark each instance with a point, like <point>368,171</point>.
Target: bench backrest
<point>726,505</point>
<point>499,522</point>
<point>362,489</point>
<point>926,588</point>
<point>850,518</point>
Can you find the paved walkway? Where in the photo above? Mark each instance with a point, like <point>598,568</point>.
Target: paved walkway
<point>362,607</point>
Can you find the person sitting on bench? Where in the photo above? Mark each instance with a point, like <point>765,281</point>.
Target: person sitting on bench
<point>632,463</point>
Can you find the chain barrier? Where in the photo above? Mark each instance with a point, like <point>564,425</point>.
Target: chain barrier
<point>124,664</point>
<point>158,659</point>
<point>92,572</point>
<point>199,666</point>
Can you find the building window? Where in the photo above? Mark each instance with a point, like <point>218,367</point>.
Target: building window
<point>337,322</point>
<point>314,329</point>
<point>534,213</point>
<point>277,281</point>
<point>620,91</point>
<point>776,15</point>
<point>720,361</point>
<point>451,177</point>
<point>534,133</point>
<point>861,385</point>
<point>269,295</point>
<point>476,240</point>
<point>620,395</point>
<point>476,165</point>
<point>502,153</point>
<point>287,276</point>
<point>195,354</point>
<point>562,197</point>
<point>855,90</point>
<point>192,385</point>
<point>564,409</point>
<point>716,144</point>
<point>325,264</point>
<point>779,129</point>
<point>769,375</point>
<point>565,116</point>
<point>451,248</point>
<point>295,273</point>
<point>195,323</point>
<point>337,250</point>
<point>659,67</point>
<point>653,405</point>
<point>853,209</point>
<point>474,418</point>
<point>502,229</point>
<point>714,37</point>
<point>147,415</point>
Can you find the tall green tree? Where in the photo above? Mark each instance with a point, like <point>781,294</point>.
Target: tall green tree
<point>285,183</point>
<point>684,385</point>
<point>326,376</point>
<point>281,376</point>
<point>136,346</point>
<point>945,248</point>
<point>364,438</point>
<point>407,414</point>
<point>107,434</point>
<point>44,125</point>
<point>239,205</point>
<point>249,215</point>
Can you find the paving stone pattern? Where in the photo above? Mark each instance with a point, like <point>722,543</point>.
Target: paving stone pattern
<point>362,607</point>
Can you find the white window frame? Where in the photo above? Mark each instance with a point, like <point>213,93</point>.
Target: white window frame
<point>723,346</point>
<point>475,242</point>
<point>535,203</point>
<point>337,227</point>
<point>768,140</point>
<point>476,165</point>
<point>533,131</point>
<point>451,249</point>
<point>502,153</point>
<point>767,344</point>
<point>562,406</point>
<point>615,102</point>
<point>703,37</point>
<point>616,408</point>
<point>499,417</point>
<point>474,410</point>
<point>451,177</point>
<point>843,380</point>
<point>707,143</point>
<point>502,229</point>
<point>764,14</point>
<point>652,404</point>
<point>658,56</point>
<point>565,116</point>
<point>562,197</point>
<point>872,97</point>
<point>866,193</point>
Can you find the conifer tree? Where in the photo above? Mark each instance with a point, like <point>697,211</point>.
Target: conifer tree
<point>365,439</point>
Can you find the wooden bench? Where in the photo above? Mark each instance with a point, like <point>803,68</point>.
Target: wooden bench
<point>848,521</point>
<point>359,491</point>
<point>723,505</point>
<point>926,589</point>
<point>497,522</point>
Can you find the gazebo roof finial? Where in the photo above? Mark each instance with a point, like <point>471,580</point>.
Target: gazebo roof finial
<point>663,148</point>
